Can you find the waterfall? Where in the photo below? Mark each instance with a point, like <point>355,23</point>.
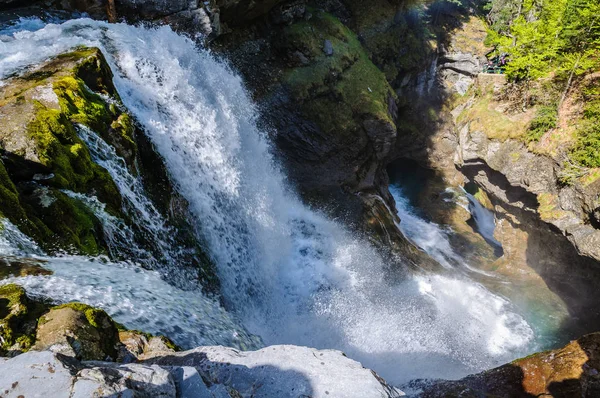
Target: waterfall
<point>484,220</point>
<point>287,272</point>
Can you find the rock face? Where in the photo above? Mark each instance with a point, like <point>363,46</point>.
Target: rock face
<point>275,371</point>
<point>571,371</point>
<point>474,130</point>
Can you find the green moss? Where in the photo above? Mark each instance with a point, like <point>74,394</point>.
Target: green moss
<point>15,294</point>
<point>9,197</point>
<point>337,91</point>
<point>93,315</point>
<point>81,105</point>
<point>78,230</point>
<point>545,120</point>
<point>548,208</point>
<point>18,318</point>
<point>124,126</point>
<point>61,150</point>
<point>169,343</point>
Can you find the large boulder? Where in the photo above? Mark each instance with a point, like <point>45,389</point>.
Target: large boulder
<point>78,330</point>
<point>50,178</point>
<point>36,374</point>
<point>571,371</point>
<point>278,371</point>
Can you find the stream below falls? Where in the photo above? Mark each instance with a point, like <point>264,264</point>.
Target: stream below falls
<point>289,274</point>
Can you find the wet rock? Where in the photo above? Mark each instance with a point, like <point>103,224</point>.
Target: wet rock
<point>15,267</point>
<point>78,330</point>
<point>237,12</point>
<point>43,155</point>
<point>571,371</point>
<point>288,12</point>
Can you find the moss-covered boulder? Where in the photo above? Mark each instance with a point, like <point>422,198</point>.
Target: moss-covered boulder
<point>73,329</point>
<point>42,154</point>
<point>18,319</point>
<point>78,330</point>
<point>335,82</point>
<point>395,34</point>
<point>45,165</point>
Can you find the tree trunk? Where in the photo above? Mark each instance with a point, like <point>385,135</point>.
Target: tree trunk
<point>111,11</point>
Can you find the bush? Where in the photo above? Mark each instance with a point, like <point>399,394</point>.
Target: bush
<point>544,121</point>
<point>586,151</point>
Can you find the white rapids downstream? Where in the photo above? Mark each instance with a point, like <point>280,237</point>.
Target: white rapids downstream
<point>288,273</point>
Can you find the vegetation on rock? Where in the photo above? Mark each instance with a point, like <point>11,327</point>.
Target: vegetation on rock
<point>18,319</point>
<point>74,329</point>
<point>43,155</point>
<point>344,83</point>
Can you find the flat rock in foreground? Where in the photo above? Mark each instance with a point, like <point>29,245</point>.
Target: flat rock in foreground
<point>275,371</point>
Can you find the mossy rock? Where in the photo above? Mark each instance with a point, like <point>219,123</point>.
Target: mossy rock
<point>339,89</point>
<point>347,74</point>
<point>42,152</point>
<point>18,319</point>
<point>396,36</point>
<point>78,330</point>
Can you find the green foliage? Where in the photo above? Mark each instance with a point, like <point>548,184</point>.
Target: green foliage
<point>546,36</point>
<point>586,151</point>
<point>544,121</point>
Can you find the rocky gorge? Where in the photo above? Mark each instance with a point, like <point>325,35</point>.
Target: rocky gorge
<point>352,97</point>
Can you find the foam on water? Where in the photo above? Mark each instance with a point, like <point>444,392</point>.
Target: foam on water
<point>289,273</point>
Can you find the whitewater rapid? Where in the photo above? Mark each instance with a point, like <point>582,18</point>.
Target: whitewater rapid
<point>288,274</point>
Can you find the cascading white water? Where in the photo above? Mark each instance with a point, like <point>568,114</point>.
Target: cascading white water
<point>289,273</point>
<point>484,220</point>
<point>138,298</point>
